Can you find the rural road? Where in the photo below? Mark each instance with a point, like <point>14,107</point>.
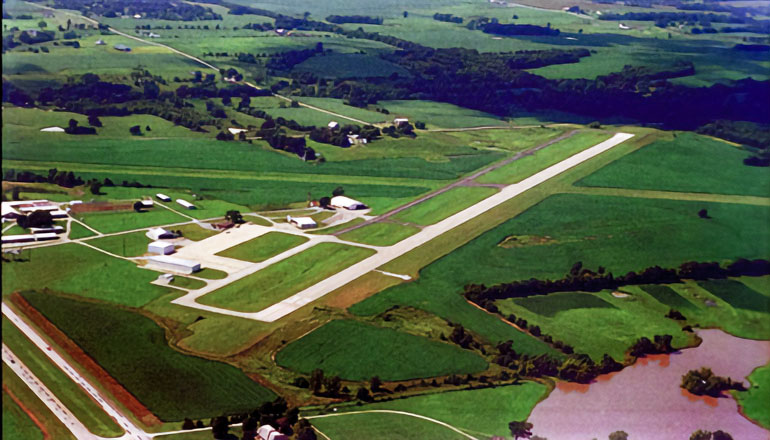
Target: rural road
<point>387,254</point>
<point>403,413</point>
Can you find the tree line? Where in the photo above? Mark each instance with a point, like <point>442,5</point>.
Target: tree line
<point>155,9</point>
<point>340,19</point>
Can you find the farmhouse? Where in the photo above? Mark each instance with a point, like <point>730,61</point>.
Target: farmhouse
<point>173,264</point>
<point>122,48</point>
<point>185,204</point>
<point>160,247</point>
<point>267,432</point>
<point>347,203</point>
<point>159,233</point>
<point>163,197</point>
<point>302,222</point>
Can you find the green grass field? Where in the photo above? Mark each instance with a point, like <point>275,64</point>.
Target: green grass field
<point>379,426</point>
<point>338,106</point>
<point>263,247</point>
<point>194,232</point>
<point>753,402</point>
<point>132,244</point>
<point>16,423</point>
<point>550,305</point>
<point>522,168</point>
<point>81,271</point>
<point>440,114</point>
<point>117,221</point>
<point>485,411</point>
<point>187,283</point>
<point>666,295</point>
<point>285,278</point>
<point>358,351</point>
<point>349,65</point>
<point>65,389</point>
<point>380,234</point>
<point>738,295</point>
<point>442,206</point>
<point>79,231</point>
<point>210,274</point>
<point>688,163</point>
<point>134,350</point>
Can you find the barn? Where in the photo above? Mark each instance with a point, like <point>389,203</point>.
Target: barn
<point>185,204</point>
<point>163,197</point>
<point>173,264</point>
<point>346,203</point>
<point>302,222</point>
<point>160,247</point>
<point>267,432</point>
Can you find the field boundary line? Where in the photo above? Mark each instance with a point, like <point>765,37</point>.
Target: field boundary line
<point>670,195</point>
<point>403,413</point>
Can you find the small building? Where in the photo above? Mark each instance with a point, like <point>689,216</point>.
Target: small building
<point>147,203</point>
<point>18,238</point>
<point>236,131</point>
<point>122,48</point>
<point>624,27</point>
<point>185,204</point>
<point>400,121</point>
<point>267,432</point>
<point>346,203</point>
<point>137,15</point>
<point>280,32</point>
<point>75,202</point>
<point>59,214</point>
<point>37,207</point>
<point>333,125</point>
<point>302,222</point>
<point>173,264</point>
<point>163,197</point>
<point>31,32</point>
<point>46,236</point>
<point>100,42</point>
<point>153,35</point>
<point>52,130</point>
<point>354,139</point>
<point>160,247</point>
<point>156,234</point>
<point>9,212</point>
<point>167,277</point>
<point>54,229</point>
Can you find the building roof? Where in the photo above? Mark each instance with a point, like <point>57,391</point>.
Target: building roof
<point>332,124</point>
<point>159,243</point>
<point>51,229</point>
<point>23,237</point>
<point>46,236</point>
<point>58,213</point>
<point>190,264</point>
<point>9,210</point>
<point>234,130</point>
<point>147,202</point>
<point>264,431</point>
<point>162,196</point>
<point>185,203</point>
<point>52,129</point>
<point>122,47</point>
<point>157,233</point>
<point>100,42</point>
<point>345,202</point>
<point>302,221</point>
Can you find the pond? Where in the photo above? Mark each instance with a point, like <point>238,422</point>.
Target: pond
<point>646,401</point>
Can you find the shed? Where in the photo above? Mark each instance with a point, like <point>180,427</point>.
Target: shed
<point>159,233</point>
<point>100,42</point>
<point>399,121</point>
<point>302,222</point>
<point>58,214</point>
<point>160,247</point>
<point>185,204</point>
<point>52,130</point>
<point>122,48</point>
<point>54,229</point>
<point>147,203</point>
<point>46,236</point>
<point>236,131</point>
<point>333,125</point>
<point>267,432</point>
<point>347,203</point>
<point>18,238</point>
<point>163,197</point>
<point>173,264</point>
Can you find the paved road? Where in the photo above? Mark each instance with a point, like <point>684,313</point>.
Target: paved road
<point>402,413</point>
<point>133,432</point>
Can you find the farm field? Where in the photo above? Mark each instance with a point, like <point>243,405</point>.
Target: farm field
<point>693,164</point>
<point>78,270</point>
<point>132,244</point>
<point>338,106</point>
<point>380,234</point>
<point>440,114</point>
<point>172,385</point>
<point>754,401</point>
<point>286,277</point>
<point>442,206</point>
<point>358,351</point>
<point>738,295</point>
<point>117,221</point>
<point>16,423</point>
<point>70,394</point>
<point>349,65</point>
<point>485,411</point>
<point>520,169</point>
<point>382,427</point>
<point>263,247</point>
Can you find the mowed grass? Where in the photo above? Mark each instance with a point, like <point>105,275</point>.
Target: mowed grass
<point>666,295</point>
<point>134,350</point>
<point>358,351</point>
<point>263,247</point>
<point>187,283</point>
<point>520,169</point>
<point>440,114</point>
<point>16,423</point>
<point>737,294</point>
<point>286,277</point>
<point>688,163</point>
<point>210,274</point>
<point>443,205</point>
<point>338,106</point>
<point>485,411</point>
<point>754,401</point>
<point>550,305</point>
<point>383,426</point>
<point>380,234</point>
<point>71,395</point>
<point>194,232</point>
<point>79,231</point>
<point>132,244</point>
<point>118,221</point>
<point>81,271</point>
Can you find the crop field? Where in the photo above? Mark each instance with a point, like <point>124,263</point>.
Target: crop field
<point>620,234</point>
<point>134,350</point>
<point>79,231</point>
<point>380,234</point>
<point>349,65</point>
<point>520,169</point>
<point>280,280</point>
<point>132,244</point>
<point>666,295</point>
<point>338,106</point>
<point>263,247</point>
<point>383,426</point>
<point>70,394</point>
<point>358,351</point>
<point>16,423</point>
<point>596,324</point>
<point>693,164</point>
<point>117,221</point>
<point>440,114</point>
<point>442,206</point>
<point>738,295</point>
<point>78,270</point>
<point>754,401</point>
<point>484,411</point>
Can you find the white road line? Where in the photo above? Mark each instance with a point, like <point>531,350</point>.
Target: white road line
<point>403,413</point>
<point>390,274</point>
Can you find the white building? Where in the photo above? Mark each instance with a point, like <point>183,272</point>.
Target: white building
<point>267,432</point>
<point>156,234</point>
<point>302,222</point>
<point>147,203</point>
<point>54,229</point>
<point>163,197</point>
<point>354,139</point>
<point>236,131</point>
<point>52,130</point>
<point>173,264</point>
<point>185,204</point>
<point>347,203</point>
<point>58,214</point>
<point>30,209</point>
<point>46,236</point>
<point>100,42</point>
<point>399,121</point>
<point>18,238</point>
<point>333,125</point>
<point>9,212</point>
<point>160,247</point>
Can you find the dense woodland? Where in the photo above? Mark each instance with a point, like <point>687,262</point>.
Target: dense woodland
<point>158,9</point>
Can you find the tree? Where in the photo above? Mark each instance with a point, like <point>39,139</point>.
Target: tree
<point>95,187</point>
<point>234,216</point>
<point>520,429</point>
<point>188,424</point>
<point>135,130</point>
<point>701,435</point>
<point>619,435</point>
<point>220,427</point>
<point>147,128</point>
<point>324,202</point>
<point>294,104</point>
<point>332,385</point>
<point>721,435</point>
<point>138,206</point>
<point>363,395</point>
<point>73,124</point>
<point>39,219</point>
<point>94,121</point>
<point>316,381</point>
<point>42,24</point>
<point>703,213</point>
<point>338,191</point>
<point>376,384</point>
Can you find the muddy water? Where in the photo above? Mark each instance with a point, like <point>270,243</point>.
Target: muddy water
<point>646,401</point>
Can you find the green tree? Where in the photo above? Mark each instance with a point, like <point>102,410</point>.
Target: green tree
<point>721,435</point>
<point>138,206</point>
<point>135,130</point>
<point>520,429</point>
<point>338,191</point>
<point>95,187</point>
<point>42,24</point>
<point>316,381</point>
<point>332,385</point>
<point>619,435</point>
<point>220,427</point>
<point>701,435</point>
<point>39,219</point>
<point>376,384</point>
<point>363,395</point>
<point>234,216</point>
